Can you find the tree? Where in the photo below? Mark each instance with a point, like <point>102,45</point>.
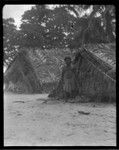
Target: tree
<point>45,28</point>
<point>10,37</point>
<point>97,26</point>
<point>109,20</point>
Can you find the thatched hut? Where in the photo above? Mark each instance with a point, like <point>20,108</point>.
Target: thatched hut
<point>96,79</point>
<point>20,76</point>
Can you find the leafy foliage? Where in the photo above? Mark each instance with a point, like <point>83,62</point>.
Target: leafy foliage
<point>10,44</point>
<point>98,27</point>
<point>64,26</point>
<point>46,28</point>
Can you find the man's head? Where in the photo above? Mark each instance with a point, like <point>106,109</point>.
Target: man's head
<point>67,60</point>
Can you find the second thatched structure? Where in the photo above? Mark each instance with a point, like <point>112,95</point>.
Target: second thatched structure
<point>21,77</point>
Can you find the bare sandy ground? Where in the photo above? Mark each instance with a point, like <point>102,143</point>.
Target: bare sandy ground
<point>31,120</point>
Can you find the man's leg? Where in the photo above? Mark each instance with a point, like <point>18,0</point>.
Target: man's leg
<point>67,96</point>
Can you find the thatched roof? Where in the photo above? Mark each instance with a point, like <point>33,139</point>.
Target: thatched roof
<point>21,74</point>
<point>97,63</point>
<point>48,63</point>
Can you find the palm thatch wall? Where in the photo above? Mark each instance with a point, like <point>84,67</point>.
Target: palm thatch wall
<point>94,80</point>
<point>21,77</point>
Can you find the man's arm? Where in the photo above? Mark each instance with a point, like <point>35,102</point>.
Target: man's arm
<point>62,76</point>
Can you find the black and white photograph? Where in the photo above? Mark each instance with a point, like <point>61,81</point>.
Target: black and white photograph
<point>59,72</point>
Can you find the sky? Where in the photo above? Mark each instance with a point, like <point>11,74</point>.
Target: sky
<point>15,11</point>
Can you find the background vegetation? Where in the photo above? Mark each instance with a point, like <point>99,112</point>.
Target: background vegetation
<point>65,26</point>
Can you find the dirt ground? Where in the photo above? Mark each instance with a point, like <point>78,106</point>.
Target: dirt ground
<point>33,120</point>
